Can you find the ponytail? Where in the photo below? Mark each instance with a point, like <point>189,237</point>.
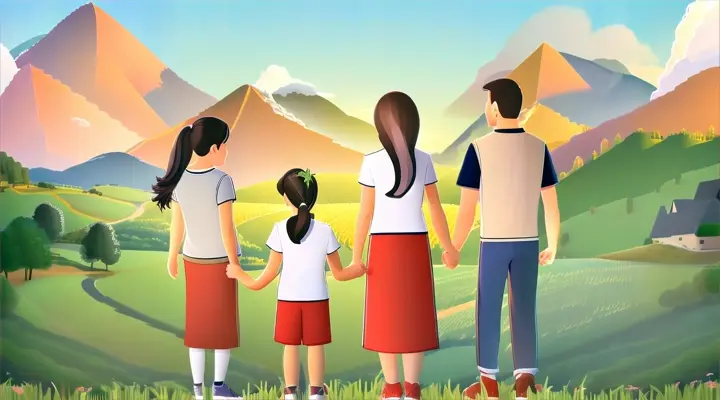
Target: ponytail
<point>298,225</point>
<point>179,160</point>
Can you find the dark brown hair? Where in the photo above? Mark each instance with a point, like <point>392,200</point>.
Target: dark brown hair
<point>508,96</point>
<point>302,195</point>
<point>197,138</point>
<point>397,122</point>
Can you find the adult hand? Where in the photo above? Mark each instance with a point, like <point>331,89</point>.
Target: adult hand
<point>356,270</point>
<point>235,271</point>
<point>547,256</point>
<point>451,258</point>
<point>172,267</point>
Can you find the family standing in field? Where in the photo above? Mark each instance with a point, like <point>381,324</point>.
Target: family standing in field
<point>506,171</point>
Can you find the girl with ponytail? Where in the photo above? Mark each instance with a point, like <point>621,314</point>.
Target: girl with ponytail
<point>200,198</point>
<point>302,245</point>
<point>400,313</point>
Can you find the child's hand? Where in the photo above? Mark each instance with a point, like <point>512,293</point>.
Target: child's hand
<point>235,271</point>
<point>355,270</point>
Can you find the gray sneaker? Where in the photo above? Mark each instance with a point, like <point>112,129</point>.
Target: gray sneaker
<point>224,392</point>
<point>198,390</point>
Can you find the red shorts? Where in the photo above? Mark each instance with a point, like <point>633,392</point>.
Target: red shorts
<point>211,307</point>
<point>303,322</point>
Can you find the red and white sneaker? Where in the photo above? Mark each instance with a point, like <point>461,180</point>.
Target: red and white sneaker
<point>392,391</point>
<point>412,391</point>
<point>319,392</point>
<point>475,391</point>
<point>523,384</point>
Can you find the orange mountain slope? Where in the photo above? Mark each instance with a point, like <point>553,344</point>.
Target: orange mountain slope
<point>552,127</point>
<point>262,145</point>
<point>97,57</point>
<point>546,73</point>
<point>692,106</point>
<point>44,123</point>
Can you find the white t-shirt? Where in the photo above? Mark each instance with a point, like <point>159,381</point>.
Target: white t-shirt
<point>199,193</point>
<point>303,271</point>
<point>403,215</point>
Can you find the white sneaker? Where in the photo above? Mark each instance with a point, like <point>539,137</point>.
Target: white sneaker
<point>198,390</point>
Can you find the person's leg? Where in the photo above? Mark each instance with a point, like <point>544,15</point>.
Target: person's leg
<point>412,368</point>
<point>316,333</point>
<point>316,371</point>
<point>522,298</point>
<point>197,366</point>
<point>222,361</point>
<point>291,366</point>
<point>393,388</point>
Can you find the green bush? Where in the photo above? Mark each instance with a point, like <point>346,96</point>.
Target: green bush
<point>708,230</point>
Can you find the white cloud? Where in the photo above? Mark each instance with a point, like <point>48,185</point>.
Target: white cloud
<point>278,109</point>
<point>696,46</point>
<point>570,30</point>
<point>8,68</point>
<point>276,78</point>
<point>81,122</point>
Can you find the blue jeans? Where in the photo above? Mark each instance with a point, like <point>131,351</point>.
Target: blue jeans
<point>517,262</point>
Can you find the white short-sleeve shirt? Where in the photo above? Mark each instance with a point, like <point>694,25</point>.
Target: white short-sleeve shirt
<point>199,194</point>
<point>303,277</point>
<point>403,215</point>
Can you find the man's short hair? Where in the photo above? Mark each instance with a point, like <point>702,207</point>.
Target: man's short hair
<point>508,96</point>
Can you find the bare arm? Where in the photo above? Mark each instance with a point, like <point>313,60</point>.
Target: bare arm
<point>465,217</point>
<point>336,268</point>
<point>552,216</point>
<point>227,230</point>
<point>177,229</point>
<point>437,215</point>
<point>362,227</point>
<point>270,272</point>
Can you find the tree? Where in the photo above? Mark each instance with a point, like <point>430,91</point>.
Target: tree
<point>8,298</point>
<point>24,245</point>
<point>14,174</point>
<point>25,174</point>
<point>594,155</point>
<point>51,220</point>
<point>618,139</point>
<point>629,205</point>
<point>578,163</point>
<point>100,244</point>
<point>711,133</point>
<point>604,146</point>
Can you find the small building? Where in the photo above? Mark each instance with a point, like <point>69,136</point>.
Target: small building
<point>692,224</point>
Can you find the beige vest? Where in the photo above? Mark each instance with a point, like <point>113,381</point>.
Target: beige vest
<point>511,168</point>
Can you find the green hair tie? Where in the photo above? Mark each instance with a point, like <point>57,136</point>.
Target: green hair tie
<point>307,177</point>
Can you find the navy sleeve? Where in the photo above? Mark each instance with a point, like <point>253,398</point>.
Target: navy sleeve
<point>549,177</point>
<point>469,176</point>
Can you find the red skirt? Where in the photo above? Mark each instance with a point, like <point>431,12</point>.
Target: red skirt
<point>400,313</point>
<point>211,307</point>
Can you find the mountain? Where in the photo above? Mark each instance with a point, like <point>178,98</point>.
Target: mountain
<point>321,115</point>
<point>98,58</point>
<point>263,143</point>
<point>44,123</point>
<point>611,93</point>
<point>25,46</point>
<point>692,106</point>
<point>546,73</point>
<point>107,169</point>
<point>612,65</point>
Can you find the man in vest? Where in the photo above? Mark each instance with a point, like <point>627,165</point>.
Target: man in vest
<point>507,171</point>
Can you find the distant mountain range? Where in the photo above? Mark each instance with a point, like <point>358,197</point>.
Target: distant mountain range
<point>263,143</point>
<point>573,94</point>
<point>692,106</point>
<point>321,115</point>
<point>107,169</point>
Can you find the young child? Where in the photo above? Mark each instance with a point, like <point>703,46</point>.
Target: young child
<point>301,244</point>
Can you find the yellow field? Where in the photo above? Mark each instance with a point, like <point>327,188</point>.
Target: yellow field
<point>243,212</point>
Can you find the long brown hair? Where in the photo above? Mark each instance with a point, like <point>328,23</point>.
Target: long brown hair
<point>302,193</point>
<point>398,122</point>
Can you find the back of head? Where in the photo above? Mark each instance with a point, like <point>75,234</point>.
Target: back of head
<point>507,95</point>
<point>301,189</point>
<point>197,138</point>
<point>398,123</point>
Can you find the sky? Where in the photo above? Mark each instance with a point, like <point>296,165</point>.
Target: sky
<point>355,51</point>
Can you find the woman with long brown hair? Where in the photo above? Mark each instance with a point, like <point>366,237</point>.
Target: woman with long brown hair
<point>400,314</point>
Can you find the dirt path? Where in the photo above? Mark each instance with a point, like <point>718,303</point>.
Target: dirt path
<point>138,208</point>
<point>18,277</point>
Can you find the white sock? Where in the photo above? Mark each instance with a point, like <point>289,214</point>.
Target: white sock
<point>197,365</point>
<point>222,360</point>
<point>491,376</point>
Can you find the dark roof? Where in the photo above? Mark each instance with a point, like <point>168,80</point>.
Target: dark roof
<point>689,216</point>
<point>708,190</point>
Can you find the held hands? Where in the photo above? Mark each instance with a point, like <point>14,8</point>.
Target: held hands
<point>354,270</point>
<point>547,256</point>
<point>451,258</point>
<point>235,271</point>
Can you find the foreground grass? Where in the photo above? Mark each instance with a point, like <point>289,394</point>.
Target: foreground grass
<point>363,391</point>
